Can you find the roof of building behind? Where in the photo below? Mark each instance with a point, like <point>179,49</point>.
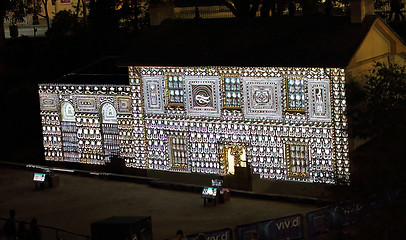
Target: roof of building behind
<point>285,42</point>
<point>102,71</point>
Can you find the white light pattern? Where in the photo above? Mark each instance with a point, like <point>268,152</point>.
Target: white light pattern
<point>143,139</point>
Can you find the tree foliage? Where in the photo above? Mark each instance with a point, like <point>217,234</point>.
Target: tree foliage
<point>16,11</point>
<point>64,24</point>
<point>379,108</point>
<point>386,99</point>
<point>377,111</point>
<point>113,15</point>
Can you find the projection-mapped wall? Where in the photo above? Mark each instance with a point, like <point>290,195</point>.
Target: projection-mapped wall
<point>285,123</point>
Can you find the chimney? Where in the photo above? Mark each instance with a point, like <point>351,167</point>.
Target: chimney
<point>361,8</point>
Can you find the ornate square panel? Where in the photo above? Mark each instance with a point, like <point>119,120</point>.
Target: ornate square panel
<point>124,105</point>
<point>48,102</point>
<point>262,98</point>
<point>203,96</point>
<point>86,103</point>
<point>153,95</point>
<point>319,103</point>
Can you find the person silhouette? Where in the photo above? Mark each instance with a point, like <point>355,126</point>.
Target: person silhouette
<point>22,232</point>
<point>10,230</point>
<point>34,233</point>
<point>179,235</point>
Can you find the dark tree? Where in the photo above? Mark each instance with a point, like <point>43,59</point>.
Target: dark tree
<point>242,8</point>
<point>4,6</point>
<point>64,24</point>
<point>386,100</point>
<point>129,14</point>
<point>36,7</point>
<point>276,7</point>
<point>376,112</point>
<point>103,16</point>
<point>124,15</point>
<point>81,6</point>
<point>377,108</point>
<point>14,11</point>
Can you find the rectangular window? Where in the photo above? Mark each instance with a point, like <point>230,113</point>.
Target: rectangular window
<point>174,86</point>
<point>232,93</point>
<point>178,152</point>
<point>297,155</point>
<point>295,91</point>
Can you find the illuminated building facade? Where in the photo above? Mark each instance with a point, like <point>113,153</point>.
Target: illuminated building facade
<point>269,103</point>
<point>283,123</point>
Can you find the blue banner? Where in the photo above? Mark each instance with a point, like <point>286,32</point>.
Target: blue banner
<point>351,213</point>
<point>322,220</point>
<point>223,234</point>
<point>289,227</point>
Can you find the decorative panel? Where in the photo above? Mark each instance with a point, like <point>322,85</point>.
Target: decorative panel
<point>319,101</point>
<point>86,104</point>
<point>262,98</point>
<point>203,97</point>
<point>123,105</point>
<point>48,102</point>
<point>153,95</point>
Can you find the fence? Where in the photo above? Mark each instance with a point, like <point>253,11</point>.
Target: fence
<point>204,12</point>
<point>207,12</point>
<point>52,233</point>
<point>327,223</point>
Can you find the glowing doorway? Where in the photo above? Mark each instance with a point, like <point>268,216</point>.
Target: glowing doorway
<point>234,156</point>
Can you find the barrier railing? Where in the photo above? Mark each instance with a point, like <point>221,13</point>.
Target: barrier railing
<point>327,222</point>
<point>52,233</point>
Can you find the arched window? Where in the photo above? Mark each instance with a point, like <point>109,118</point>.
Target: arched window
<point>67,112</point>
<point>109,113</point>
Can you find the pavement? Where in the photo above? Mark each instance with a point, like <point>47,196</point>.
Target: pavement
<point>81,199</point>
